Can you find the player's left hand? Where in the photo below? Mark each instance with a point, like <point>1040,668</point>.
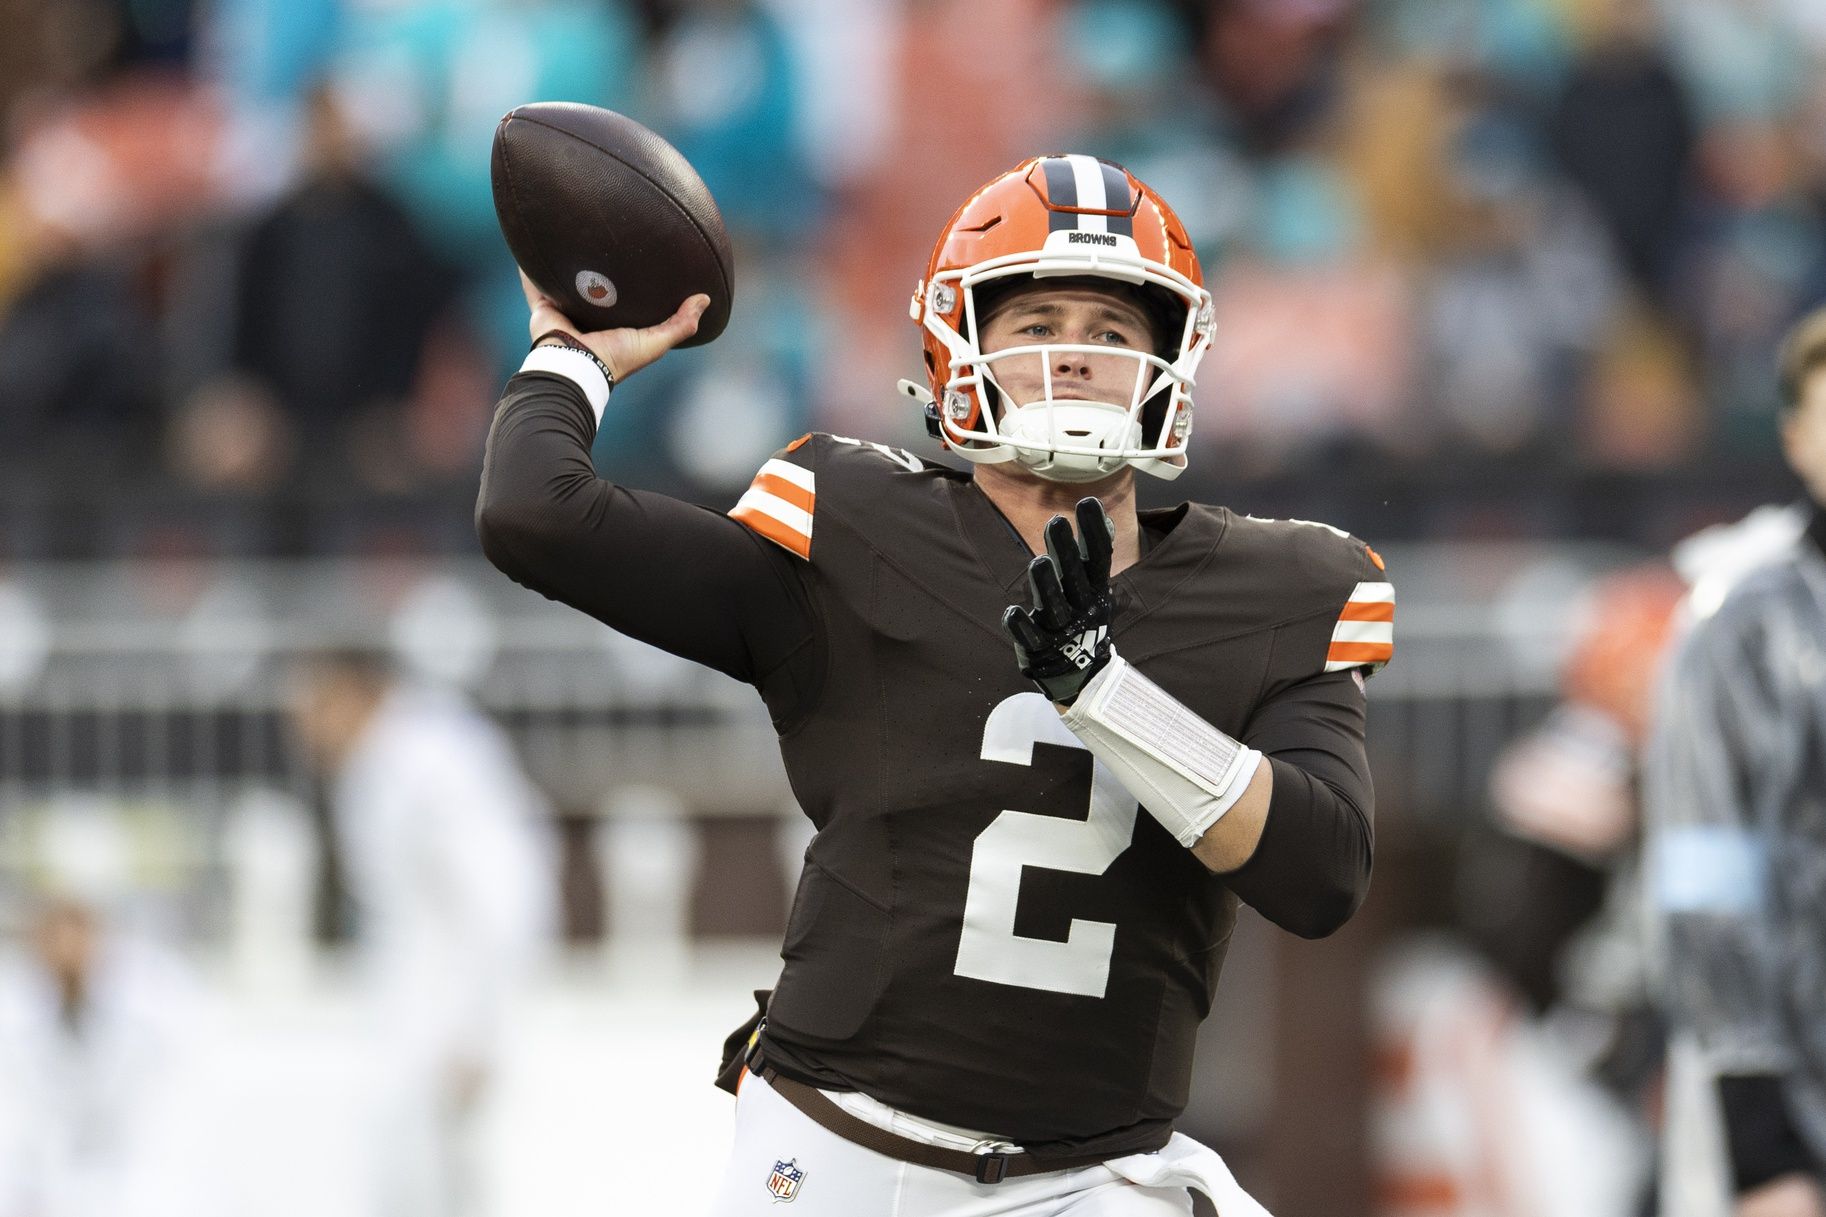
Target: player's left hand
<point>1064,639</point>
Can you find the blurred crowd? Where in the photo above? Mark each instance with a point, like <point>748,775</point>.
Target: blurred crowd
<point>1483,268</point>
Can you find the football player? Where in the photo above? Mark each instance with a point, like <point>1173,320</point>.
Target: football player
<point>1735,793</point>
<point>1048,740</point>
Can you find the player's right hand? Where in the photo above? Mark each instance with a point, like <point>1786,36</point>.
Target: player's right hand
<point>624,351</point>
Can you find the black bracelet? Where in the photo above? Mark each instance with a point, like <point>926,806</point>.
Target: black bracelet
<point>569,340</point>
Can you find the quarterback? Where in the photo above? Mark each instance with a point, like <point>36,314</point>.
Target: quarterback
<point>1048,740</point>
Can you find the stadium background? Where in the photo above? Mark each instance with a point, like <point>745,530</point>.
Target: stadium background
<point>1498,286</point>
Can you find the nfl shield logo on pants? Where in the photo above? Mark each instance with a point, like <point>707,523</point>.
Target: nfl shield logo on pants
<point>785,1180</point>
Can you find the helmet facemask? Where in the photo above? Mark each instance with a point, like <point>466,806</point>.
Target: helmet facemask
<point>1065,439</point>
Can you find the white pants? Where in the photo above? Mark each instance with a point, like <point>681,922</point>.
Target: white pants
<point>838,1178</point>
<point>421,1149</point>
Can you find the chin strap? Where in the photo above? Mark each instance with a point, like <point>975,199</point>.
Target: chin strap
<point>918,392</point>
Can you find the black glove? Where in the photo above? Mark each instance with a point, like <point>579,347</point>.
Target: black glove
<point>1065,639</point>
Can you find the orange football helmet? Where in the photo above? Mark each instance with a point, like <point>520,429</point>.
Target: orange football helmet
<point>1062,216</point>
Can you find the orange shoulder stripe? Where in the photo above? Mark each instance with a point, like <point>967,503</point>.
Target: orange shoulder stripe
<point>783,535</point>
<point>1368,610</point>
<point>1360,652</point>
<point>782,489</point>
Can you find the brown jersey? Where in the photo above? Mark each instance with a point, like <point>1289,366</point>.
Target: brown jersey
<point>988,931</point>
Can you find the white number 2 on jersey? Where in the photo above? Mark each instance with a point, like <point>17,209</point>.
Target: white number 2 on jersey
<point>990,949</point>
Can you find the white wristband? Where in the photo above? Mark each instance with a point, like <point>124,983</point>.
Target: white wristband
<point>574,366</point>
<point>1186,772</point>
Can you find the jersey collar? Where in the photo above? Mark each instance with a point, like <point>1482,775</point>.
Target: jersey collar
<point>1181,537</point>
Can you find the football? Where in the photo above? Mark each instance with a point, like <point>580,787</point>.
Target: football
<point>608,219</point>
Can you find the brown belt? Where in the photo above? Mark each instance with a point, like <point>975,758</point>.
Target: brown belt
<point>983,1167</point>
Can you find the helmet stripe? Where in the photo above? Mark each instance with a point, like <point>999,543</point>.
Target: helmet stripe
<point>1088,171</point>
<point>1061,192</point>
<point>1117,198</point>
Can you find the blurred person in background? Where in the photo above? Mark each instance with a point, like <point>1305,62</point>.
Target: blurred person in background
<point>1623,130</point>
<point>97,187</point>
<point>79,356</point>
<point>100,1042</point>
<point>1523,1079</point>
<point>1755,246</point>
<point>1522,290</point>
<point>338,305</point>
<point>1737,847</point>
<point>1552,895</point>
<point>1274,65</point>
<point>49,48</point>
<point>444,849</point>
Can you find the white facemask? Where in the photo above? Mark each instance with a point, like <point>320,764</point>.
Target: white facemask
<point>1063,439</point>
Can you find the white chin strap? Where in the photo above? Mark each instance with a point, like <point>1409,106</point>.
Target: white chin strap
<point>1079,424</point>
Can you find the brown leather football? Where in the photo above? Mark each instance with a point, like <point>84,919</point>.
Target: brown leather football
<point>608,219</point>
